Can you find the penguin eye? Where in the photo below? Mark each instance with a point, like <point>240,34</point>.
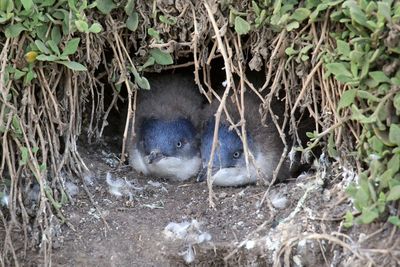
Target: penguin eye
<point>236,155</point>
<point>179,144</point>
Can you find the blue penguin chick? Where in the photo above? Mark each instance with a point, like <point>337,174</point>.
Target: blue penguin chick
<point>229,165</point>
<point>167,143</point>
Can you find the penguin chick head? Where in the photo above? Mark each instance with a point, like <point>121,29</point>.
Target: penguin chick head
<point>169,148</point>
<point>229,165</point>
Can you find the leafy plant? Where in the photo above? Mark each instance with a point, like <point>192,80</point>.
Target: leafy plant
<point>49,26</point>
<point>362,53</point>
<point>366,60</point>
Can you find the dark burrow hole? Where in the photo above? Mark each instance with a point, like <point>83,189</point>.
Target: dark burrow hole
<point>113,133</point>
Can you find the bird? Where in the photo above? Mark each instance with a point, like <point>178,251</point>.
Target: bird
<point>229,164</point>
<point>167,141</point>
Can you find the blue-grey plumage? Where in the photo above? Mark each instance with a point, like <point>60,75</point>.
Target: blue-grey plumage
<point>229,165</point>
<point>167,143</point>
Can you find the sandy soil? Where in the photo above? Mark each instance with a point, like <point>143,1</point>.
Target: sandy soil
<point>129,230</point>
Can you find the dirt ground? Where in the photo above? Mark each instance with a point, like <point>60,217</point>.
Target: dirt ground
<point>129,230</point>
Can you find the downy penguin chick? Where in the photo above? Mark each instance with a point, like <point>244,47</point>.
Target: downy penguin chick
<point>166,124</point>
<point>229,165</point>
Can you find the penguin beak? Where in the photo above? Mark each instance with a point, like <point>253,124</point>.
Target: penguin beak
<point>154,156</point>
<point>202,175</point>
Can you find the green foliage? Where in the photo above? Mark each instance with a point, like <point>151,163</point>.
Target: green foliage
<point>167,20</point>
<point>55,27</point>
<point>362,52</point>
<point>133,21</point>
<point>161,57</point>
<point>50,25</point>
<point>241,26</point>
<point>105,6</point>
<point>367,44</point>
<point>279,15</point>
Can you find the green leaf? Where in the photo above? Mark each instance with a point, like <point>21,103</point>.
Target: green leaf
<point>72,5</point>
<point>16,124</point>
<point>53,46</point>
<point>27,4</point>
<point>129,7</point>
<point>368,215</point>
<point>379,77</point>
<point>133,21</point>
<point>167,20</point>
<point>385,178</point>
<point>43,167</point>
<point>256,8</point>
<point>19,74</point>
<point>367,95</point>
<point>5,18</point>
<point>71,46</point>
<point>290,51</point>
<point>150,62</point>
<point>348,218</point>
<point>82,26</point>
<point>42,47</point>
<point>394,193</point>
<point>304,58</point>
<point>381,203</point>
<point>356,13</point>
<point>347,98</point>
<point>161,57</point>
<point>384,10</point>
<point>300,14</point>
<point>105,6</point>
<point>394,163</point>
<point>56,35</point>
<point>153,33</point>
<point>73,65</point>
<point>283,19</point>
<point>46,3</point>
<point>30,75</point>
<point>343,48</point>
<point>241,26</point>
<point>395,220</point>
<point>142,82</point>
<point>338,69</point>
<point>47,58</point>
<point>371,7</point>
<point>14,30</point>
<point>394,134</point>
<point>292,25</point>
<point>95,28</point>
<point>357,115</point>
<point>331,147</point>
<point>376,144</point>
<point>396,103</point>
<point>24,156</point>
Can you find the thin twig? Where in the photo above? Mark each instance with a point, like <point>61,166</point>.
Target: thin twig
<point>228,74</point>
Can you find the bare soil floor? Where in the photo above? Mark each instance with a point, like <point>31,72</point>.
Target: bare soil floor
<point>129,230</point>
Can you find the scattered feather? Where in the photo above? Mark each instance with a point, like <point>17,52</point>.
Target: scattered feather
<point>89,179</point>
<point>278,198</point>
<point>4,199</point>
<point>250,244</point>
<point>190,233</point>
<point>188,254</point>
<point>121,187</point>
<point>72,189</point>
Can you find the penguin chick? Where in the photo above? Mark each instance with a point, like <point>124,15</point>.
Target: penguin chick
<point>166,124</point>
<point>229,165</point>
